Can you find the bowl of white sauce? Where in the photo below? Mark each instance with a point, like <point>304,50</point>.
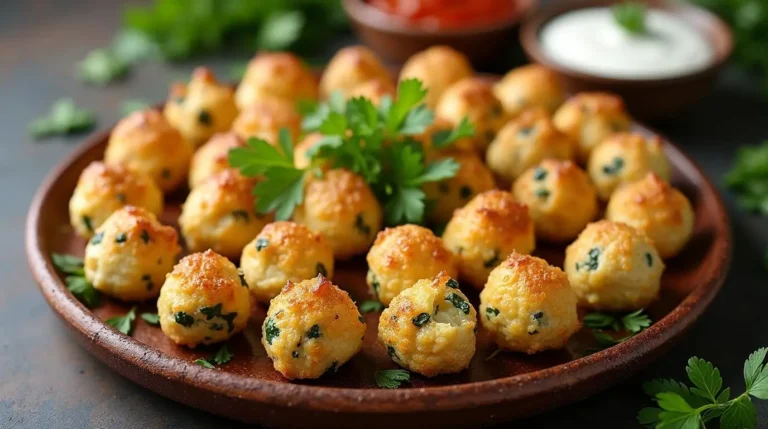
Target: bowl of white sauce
<point>660,57</point>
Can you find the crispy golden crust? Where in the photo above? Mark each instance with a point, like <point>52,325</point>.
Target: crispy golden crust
<point>264,119</point>
<point>529,86</point>
<point>437,67</point>
<point>374,90</point>
<point>350,67</point>
<point>276,75</point>
<point>212,157</point>
<point>448,195</point>
<point>207,273</point>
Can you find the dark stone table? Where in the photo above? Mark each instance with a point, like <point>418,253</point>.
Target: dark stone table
<point>46,380</point>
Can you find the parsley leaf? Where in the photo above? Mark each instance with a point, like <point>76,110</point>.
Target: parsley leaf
<point>705,377</point>
<point>64,118</point>
<point>68,264</point>
<point>630,16</point>
<point>748,178</point>
<point>123,323</point>
<point>636,321</point>
<point>204,363</point>
<point>443,138</point>
<point>391,378</point>
<point>100,67</point>
<point>281,29</point>
<point>151,318</point>
<point>632,323</point>
<point>222,356</point>
<point>371,306</point>
<point>76,282</point>
<point>756,374</point>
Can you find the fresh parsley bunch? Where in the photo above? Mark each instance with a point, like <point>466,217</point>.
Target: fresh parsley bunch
<point>377,143</point>
<point>631,323</point>
<point>691,408</point>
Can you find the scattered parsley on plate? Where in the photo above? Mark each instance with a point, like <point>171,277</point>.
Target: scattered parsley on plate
<point>81,288</point>
<point>371,306</point>
<point>222,356</point>
<point>631,323</point>
<point>64,118</point>
<point>391,378</point>
<point>123,323</point>
<point>151,318</point>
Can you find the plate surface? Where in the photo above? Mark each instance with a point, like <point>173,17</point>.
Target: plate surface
<point>492,390</point>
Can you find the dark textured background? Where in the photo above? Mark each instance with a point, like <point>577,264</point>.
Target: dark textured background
<point>46,380</point>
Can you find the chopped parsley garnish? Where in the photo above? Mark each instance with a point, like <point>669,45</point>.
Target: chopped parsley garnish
<point>204,363</point>
<point>261,243</point>
<point>100,67</point>
<point>147,279</point>
<point>240,214</point>
<point>87,222</point>
<point>64,118</point>
<point>271,331</point>
<point>592,260</point>
<point>614,167</point>
<point>490,311</point>
<point>361,319</point>
<point>295,354</point>
<point>632,323</point>
<point>361,225</point>
<point>240,274</point>
<point>391,378</point>
<point>320,269</point>
<point>452,283</point>
<point>458,302</point>
<point>421,320</point>
<point>184,319</point>
<point>204,118</point>
<point>371,306</point>
<point>121,237</point>
<point>97,238</point>
<point>123,323</point>
<point>630,16</point>
<point>76,282</point>
<point>539,174</point>
<point>465,192</point>
<point>222,356</point>
<point>748,178</point>
<point>145,236</point>
<point>493,261</point>
<point>151,318</point>
<point>314,332</point>
<point>211,312</point>
<point>542,193</point>
<point>374,283</point>
<point>649,259</point>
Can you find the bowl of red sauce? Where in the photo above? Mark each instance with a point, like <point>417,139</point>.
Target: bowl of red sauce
<point>481,29</point>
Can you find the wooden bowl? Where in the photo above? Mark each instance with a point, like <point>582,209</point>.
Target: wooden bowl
<point>494,389</point>
<point>648,99</point>
<point>397,41</point>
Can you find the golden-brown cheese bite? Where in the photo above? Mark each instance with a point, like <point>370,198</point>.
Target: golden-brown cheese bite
<point>202,108</point>
<point>589,117</point>
<point>350,67</point>
<point>219,214</point>
<point>102,189</point>
<point>429,328</point>
<point>529,86</point>
<point>374,90</point>
<point>625,158</point>
<point>473,98</point>
<point>526,141</point>
<point>283,252</point>
<point>437,67</point>
<point>312,328</point>
<point>212,157</point>
<point>301,158</point>
<point>264,119</point>
<point>613,267</point>
<point>203,300</point>
<point>448,195</point>
<point>528,305</point>
<point>342,207</point>
<point>403,255</point>
<point>654,207</point>
<point>560,199</point>
<point>130,254</point>
<point>276,75</point>
<point>485,231</point>
<point>145,142</point>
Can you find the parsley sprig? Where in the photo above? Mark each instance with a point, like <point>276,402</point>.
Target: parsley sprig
<point>81,288</point>
<point>123,323</point>
<point>391,378</point>
<point>690,408</point>
<point>64,118</point>
<point>631,323</point>
<point>371,306</point>
<point>222,356</point>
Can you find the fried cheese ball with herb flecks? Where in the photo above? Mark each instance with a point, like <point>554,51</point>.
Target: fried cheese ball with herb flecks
<point>613,267</point>
<point>219,214</point>
<point>202,108</point>
<point>589,117</point>
<point>203,300</point>
<point>283,252</point>
<point>560,199</point>
<point>429,328</point>
<point>403,255</point>
<point>212,157</point>
<point>625,158</point>
<point>437,67</point>
<point>374,90</point>
<point>145,142</point>
<point>485,231</point>
<point>312,328</point>
<point>450,194</point>
<point>342,207</point>
<point>529,86</point>
<point>473,98</point>
<point>654,207</point>
<point>276,75</point>
<point>528,306</point>
<point>265,118</point>
<point>526,141</point>
<point>350,67</point>
<point>102,189</point>
<point>130,254</point>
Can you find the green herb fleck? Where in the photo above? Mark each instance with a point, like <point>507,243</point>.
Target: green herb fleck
<point>493,261</point>
<point>539,174</point>
<point>421,319</point>
<point>295,354</point>
<point>314,332</point>
<point>371,306</point>
<point>64,118</point>
<point>320,269</point>
<point>614,167</point>
<point>87,222</point>
<point>592,260</point>
<point>261,243</point>
<point>121,237</point>
<point>184,319</point>
<point>271,331</point>
<point>630,16</point>
<point>123,323</point>
<point>151,318</point>
<point>452,283</point>
<point>222,356</point>
<point>391,378</point>
<point>490,311</point>
<point>97,238</point>
<point>145,236</point>
<point>121,197</point>
<point>147,279</point>
<point>241,274</point>
<point>204,363</point>
<point>101,67</point>
<point>392,353</point>
<point>204,118</point>
<point>542,193</point>
<point>458,302</point>
<point>525,131</point>
<point>649,259</point>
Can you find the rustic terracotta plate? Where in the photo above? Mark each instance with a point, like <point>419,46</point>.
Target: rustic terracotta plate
<point>494,389</point>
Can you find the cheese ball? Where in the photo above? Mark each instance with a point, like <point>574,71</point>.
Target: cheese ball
<point>340,206</point>
<point>654,207</point>
<point>145,142</point>
<point>445,196</point>
<point>529,86</point>
<point>102,189</point>
<point>485,231</point>
<point>212,157</point>
<point>403,255</point>
<point>560,199</point>
<point>526,141</point>
<point>350,67</point>
<point>264,119</point>
<point>203,300</point>
<point>130,254</point>
<point>276,75</point>
<point>374,90</point>
<point>625,158</point>
<point>283,252</point>
<point>430,327</point>
<point>312,328</point>
<point>589,117</point>
<point>219,214</point>
<point>202,108</point>
<point>473,98</point>
<point>613,267</point>
<point>437,67</point>
<point>528,306</point>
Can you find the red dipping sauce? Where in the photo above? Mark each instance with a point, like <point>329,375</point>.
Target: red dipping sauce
<point>451,14</point>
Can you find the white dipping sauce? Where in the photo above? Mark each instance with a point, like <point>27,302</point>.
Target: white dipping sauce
<point>591,41</point>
